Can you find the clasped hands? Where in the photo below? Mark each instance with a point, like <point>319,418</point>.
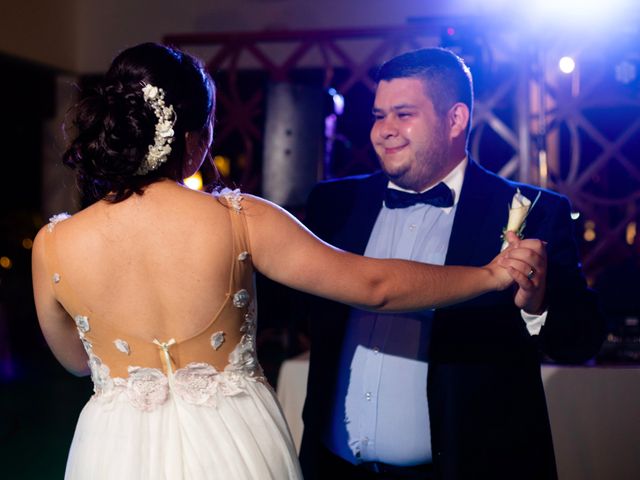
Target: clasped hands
<point>525,260</point>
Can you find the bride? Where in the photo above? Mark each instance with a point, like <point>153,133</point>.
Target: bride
<point>150,289</point>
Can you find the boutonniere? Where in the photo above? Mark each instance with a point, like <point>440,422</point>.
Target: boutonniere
<point>519,210</point>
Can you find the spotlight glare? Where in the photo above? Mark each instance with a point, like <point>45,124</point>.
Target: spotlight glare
<point>194,182</point>
<point>577,14</point>
<point>567,65</point>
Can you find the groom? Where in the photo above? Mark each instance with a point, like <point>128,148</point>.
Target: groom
<point>484,413</point>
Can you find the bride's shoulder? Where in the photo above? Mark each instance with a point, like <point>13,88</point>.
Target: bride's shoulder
<point>63,221</point>
<point>47,230</point>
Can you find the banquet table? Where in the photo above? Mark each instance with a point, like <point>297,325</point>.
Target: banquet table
<point>594,413</point>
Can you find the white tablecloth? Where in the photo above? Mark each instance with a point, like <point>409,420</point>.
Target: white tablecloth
<point>594,412</point>
<point>595,421</point>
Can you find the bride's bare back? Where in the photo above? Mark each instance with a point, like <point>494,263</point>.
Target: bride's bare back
<point>170,265</point>
<point>153,258</point>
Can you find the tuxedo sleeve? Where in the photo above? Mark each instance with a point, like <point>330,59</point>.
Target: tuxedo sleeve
<point>575,328</point>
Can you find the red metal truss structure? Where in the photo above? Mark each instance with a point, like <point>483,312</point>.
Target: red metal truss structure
<point>576,134</point>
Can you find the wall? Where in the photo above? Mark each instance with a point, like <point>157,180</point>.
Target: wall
<point>43,32</point>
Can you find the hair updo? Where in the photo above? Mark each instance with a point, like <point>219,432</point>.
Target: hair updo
<point>114,125</point>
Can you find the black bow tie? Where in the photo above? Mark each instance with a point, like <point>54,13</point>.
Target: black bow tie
<point>438,196</point>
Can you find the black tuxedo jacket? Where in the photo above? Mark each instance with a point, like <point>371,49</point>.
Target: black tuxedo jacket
<point>486,400</point>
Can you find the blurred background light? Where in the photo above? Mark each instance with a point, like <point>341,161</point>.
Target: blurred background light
<point>338,101</point>
<point>631,233</point>
<point>194,182</point>
<point>223,164</point>
<point>6,263</point>
<point>589,231</point>
<point>567,64</point>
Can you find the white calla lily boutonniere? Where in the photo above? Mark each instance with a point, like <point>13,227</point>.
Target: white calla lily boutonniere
<point>519,210</point>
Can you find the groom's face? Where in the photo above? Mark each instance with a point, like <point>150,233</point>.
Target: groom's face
<point>409,137</point>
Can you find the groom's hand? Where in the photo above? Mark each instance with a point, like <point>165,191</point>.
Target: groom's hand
<point>529,273</point>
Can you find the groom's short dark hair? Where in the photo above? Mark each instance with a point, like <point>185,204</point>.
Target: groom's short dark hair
<point>446,76</point>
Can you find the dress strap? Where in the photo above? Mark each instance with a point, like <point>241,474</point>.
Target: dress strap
<point>50,250</point>
<point>241,245</point>
<point>61,288</point>
<point>239,229</point>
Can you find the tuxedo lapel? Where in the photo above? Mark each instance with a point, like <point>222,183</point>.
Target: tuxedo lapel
<point>480,216</point>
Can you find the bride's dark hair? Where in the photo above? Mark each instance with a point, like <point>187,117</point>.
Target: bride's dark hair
<point>114,125</point>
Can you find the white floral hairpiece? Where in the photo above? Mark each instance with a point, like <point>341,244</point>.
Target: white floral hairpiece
<point>158,152</point>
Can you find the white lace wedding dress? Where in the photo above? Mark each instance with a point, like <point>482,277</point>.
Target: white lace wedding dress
<point>170,408</point>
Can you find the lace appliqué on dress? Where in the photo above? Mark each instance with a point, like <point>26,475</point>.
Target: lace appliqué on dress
<point>100,374</point>
<point>241,298</point>
<point>147,388</point>
<point>122,346</point>
<point>233,198</point>
<point>53,221</point>
<point>201,384</point>
<point>243,359</point>
<point>82,323</point>
<point>197,383</point>
<point>217,339</point>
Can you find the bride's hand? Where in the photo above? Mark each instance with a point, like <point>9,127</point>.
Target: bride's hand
<point>499,268</point>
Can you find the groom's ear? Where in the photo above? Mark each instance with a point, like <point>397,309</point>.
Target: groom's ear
<point>458,119</point>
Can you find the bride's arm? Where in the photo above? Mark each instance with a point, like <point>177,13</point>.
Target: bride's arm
<point>57,326</point>
<point>285,251</point>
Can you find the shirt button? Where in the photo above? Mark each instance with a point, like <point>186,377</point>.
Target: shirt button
<point>412,227</point>
<point>376,350</point>
<point>368,396</point>
<point>365,440</point>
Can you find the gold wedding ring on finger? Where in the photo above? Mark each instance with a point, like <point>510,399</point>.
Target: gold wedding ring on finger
<point>531,273</point>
